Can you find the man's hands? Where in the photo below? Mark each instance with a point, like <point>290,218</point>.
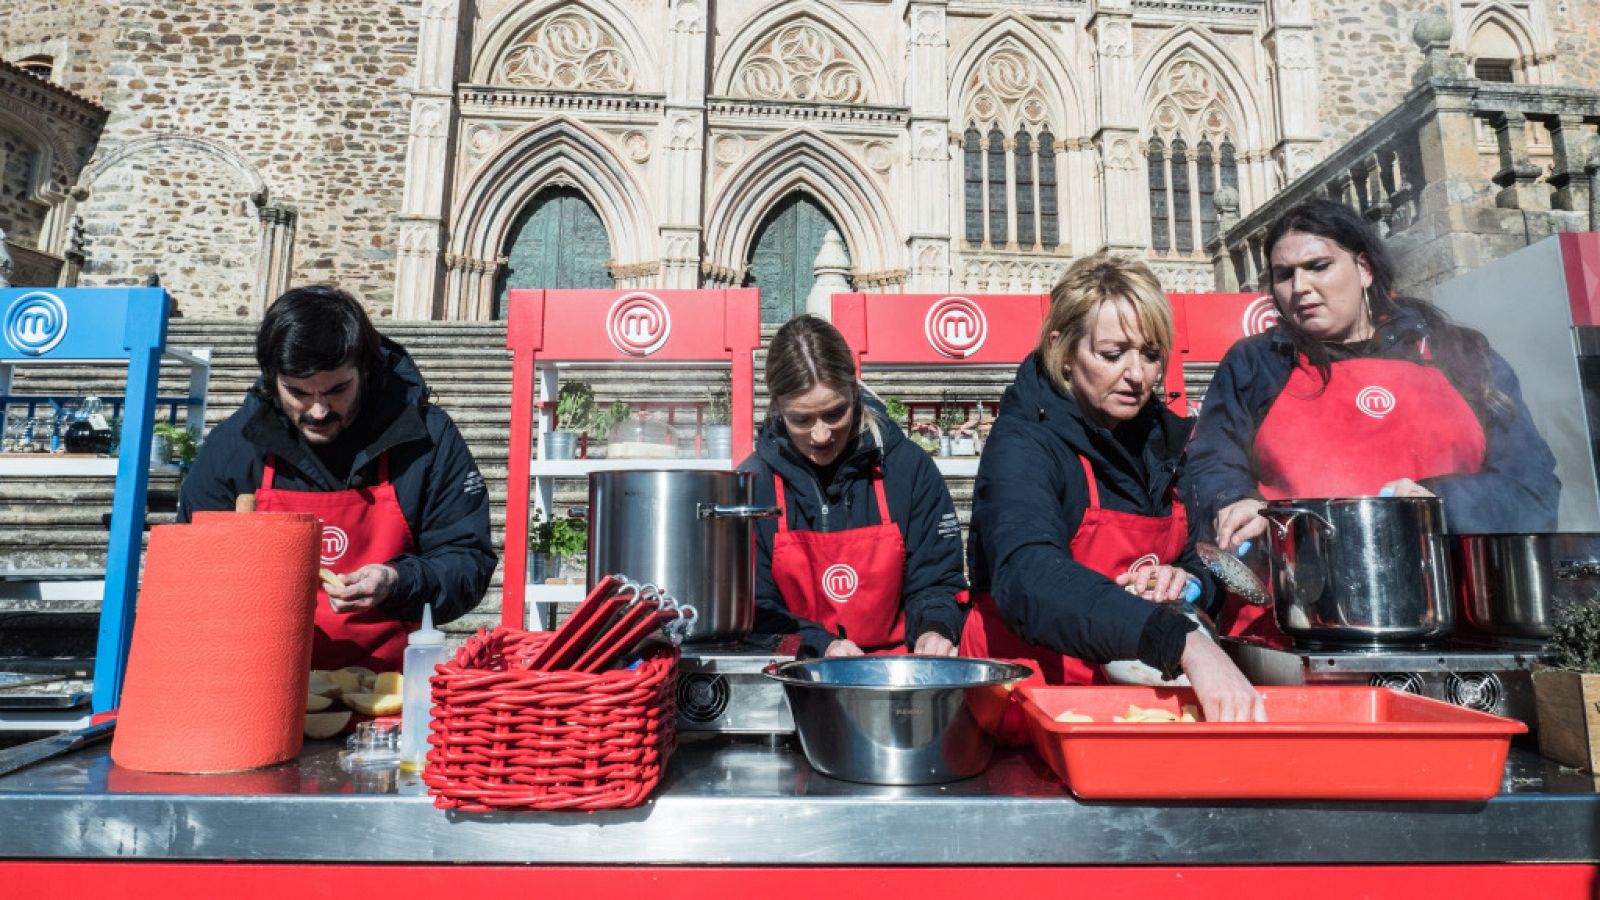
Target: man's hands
<point>363,589</point>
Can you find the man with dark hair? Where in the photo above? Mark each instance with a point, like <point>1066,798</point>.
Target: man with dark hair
<point>340,425</point>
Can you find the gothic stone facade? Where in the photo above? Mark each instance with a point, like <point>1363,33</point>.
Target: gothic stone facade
<point>394,146</point>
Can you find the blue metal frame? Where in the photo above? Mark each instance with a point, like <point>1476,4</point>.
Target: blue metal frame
<point>101,325</point>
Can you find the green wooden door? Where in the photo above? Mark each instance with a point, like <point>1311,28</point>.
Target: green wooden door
<point>557,242</point>
<point>785,251</point>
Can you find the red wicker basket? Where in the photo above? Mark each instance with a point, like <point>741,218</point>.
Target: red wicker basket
<point>506,738</point>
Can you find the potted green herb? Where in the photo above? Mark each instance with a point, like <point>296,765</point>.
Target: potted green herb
<point>718,430</point>
<point>169,442</point>
<point>551,541</point>
<point>1567,693</point>
<point>897,411</point>
<point>951,418</point>
<point>574,414</point>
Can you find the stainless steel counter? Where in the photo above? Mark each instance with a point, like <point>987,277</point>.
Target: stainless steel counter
<point>749,802</point>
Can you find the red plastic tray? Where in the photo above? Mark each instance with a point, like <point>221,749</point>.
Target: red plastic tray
<point>1320,743</point>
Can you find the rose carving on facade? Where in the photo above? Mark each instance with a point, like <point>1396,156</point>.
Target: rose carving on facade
<point>570,51</point>
<point>801,62</point>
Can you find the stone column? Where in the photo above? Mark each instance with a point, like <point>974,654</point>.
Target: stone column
<point>1567,135</point>
<point>7,266</point>
<point>1116,133</point>
<point>928,96</point>
<point>1291,43</point>
<point>275,256</point>
<point>421,220</point>
<point>681,172</point>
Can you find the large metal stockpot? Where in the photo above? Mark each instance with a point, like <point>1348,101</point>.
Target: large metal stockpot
<point>1511,584</point>
<point>690,532</point>
<point>1367,571</point>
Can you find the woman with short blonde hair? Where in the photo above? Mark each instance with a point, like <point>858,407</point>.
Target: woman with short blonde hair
<point>1079,551</point>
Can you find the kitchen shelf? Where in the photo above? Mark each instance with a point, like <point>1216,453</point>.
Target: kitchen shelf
<point>48,464</point>
<point>957,466</point>
<point>580,468</point>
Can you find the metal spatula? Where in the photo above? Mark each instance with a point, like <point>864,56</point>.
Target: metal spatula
<point>1233,572</point>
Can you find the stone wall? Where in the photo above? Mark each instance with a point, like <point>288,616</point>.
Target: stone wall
<point>306,100</point>
<point>77,33</point>
<point>19,217</point>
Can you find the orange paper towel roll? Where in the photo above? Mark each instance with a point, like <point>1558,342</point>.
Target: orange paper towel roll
<point>221,645</point>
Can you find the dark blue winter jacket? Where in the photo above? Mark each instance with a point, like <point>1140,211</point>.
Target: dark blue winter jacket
<point>439,488</point>
<point>1029,500</point>
<point>1516,490</point>
<point>919,504</point>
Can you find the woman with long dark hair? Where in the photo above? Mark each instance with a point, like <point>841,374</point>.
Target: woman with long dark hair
<point>866,555</point>
<point>1357,392</point>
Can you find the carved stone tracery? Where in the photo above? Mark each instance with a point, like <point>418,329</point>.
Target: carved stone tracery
<point>568,50</point>
<point>1004,89</point>
<point>802,61</point>
<point>1191,105</point>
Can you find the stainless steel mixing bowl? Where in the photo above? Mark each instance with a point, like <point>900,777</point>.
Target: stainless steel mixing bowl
<point>897,719</point>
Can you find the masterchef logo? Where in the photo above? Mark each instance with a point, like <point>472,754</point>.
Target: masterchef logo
<point>1260,315</point>
<point>1375,401</point>
<point>334,544</point>
<point>638,324</point>
<point>1149,559</point>
<point>955,327</point>
<point>839,582</point>
<point>35,323</point>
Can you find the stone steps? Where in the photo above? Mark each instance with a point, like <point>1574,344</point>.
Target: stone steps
<point>59,522</point>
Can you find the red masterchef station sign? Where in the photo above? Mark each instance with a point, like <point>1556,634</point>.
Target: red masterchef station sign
<point>1211,323</point>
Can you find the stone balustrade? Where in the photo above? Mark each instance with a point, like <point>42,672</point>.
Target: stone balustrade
<point>1420,175</point>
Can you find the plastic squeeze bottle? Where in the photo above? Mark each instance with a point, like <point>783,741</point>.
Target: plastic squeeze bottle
<point>424,649</point>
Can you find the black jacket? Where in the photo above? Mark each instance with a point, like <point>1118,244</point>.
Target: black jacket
<point>919,503</point>
<point>1029,500</point>
<point>440,490</point>
<point>1516,490</point>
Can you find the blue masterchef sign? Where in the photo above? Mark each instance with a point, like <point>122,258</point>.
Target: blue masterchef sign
<point>121,325</point>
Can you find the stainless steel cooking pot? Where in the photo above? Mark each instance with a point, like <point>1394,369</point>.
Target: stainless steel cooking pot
<point>1511,584</point>
<point>897,719</point>
<point>691,532</point>
<point>1369,571</point>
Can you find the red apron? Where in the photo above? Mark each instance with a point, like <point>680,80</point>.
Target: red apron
<point>1377,421</point>
<point>850,578</point>
<point>359,527</point>
<point>1107,541</point>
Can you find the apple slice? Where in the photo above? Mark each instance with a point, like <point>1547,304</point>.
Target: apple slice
<point>374,704</point>
<point>347,681</point>
<point>317,702</point>
<point>388,683</point>
<point>322,684</point>
<point>326,724</point>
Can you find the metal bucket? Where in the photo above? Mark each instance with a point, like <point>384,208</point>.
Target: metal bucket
<point>1368,571</point>
<point>1511,584</point>
<point>690,532</point>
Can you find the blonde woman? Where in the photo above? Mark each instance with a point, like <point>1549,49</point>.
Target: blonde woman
<point>1077,498</point>
<point>866,557</point>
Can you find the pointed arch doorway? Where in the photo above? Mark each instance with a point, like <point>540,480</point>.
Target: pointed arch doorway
<point>557,242</point>
<point>782,259</point>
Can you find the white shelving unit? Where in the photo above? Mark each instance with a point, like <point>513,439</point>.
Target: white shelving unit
<point>40,585</point>
<point>543,473</point>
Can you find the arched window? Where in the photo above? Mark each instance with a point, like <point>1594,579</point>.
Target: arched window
<point>996,154</point>
<point>1160,224</point>
<point>1190,155</point>
<point>972,172</point>
<point>1049,226</point>
<point>1016,206</point>
<point>1023,166</point>
<point>1495,53</point>
<point>39,66</point>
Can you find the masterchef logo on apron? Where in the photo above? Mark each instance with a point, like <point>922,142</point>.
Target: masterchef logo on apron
<point>334,544</point>
<point>1375,401</point>
<point>1149,559</point>
<point>839,582</point>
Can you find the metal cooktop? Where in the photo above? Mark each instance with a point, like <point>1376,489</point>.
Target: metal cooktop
<point>721,688</point>
<point>1484,677</point>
